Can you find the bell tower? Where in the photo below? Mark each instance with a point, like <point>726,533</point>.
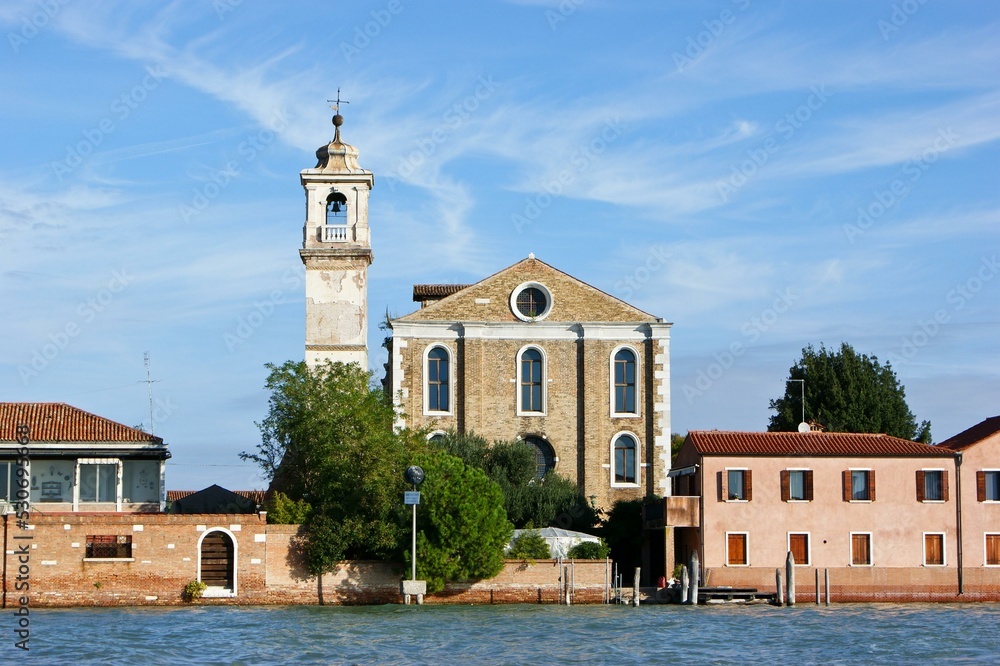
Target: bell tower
<point>336,251</point>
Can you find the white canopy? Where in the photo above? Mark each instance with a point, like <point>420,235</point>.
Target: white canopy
<point>559,540</point>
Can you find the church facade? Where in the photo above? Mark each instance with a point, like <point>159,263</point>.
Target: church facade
<point>534,354</point>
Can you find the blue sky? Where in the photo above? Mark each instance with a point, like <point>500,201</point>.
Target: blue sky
<point>764,175</point>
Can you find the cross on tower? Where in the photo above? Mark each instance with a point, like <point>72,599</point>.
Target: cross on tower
<point>338,102</point>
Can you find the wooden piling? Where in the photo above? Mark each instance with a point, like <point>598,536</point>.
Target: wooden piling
<point>779,591</point>
<point>826,575</point>
<point>790,577</point>
<point>566,587</point>
<point>817,587</point>
<point>693,589</point>
<point>685,582</point>
<point>635,587</point>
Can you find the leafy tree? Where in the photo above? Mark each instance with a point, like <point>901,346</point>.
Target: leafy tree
<point>328,440</point>
<point>623,532</point>
<point>676,442</point>
<point>589,550</point>
<point>530,545</point>
<point>846,392</point>
<point>462,529</point>
<point>529,502</point>
<point>283,510</point>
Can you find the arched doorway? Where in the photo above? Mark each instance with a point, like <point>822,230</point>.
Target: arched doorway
<point>217,561</point>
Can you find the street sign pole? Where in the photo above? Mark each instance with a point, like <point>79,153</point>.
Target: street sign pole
<point>413,560</point>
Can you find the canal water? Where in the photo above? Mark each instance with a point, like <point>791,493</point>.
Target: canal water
<point>853,634</point>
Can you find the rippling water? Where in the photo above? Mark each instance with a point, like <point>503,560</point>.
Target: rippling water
<point>840,634</point>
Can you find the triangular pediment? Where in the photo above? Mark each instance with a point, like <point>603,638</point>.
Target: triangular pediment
<point>489,300</point>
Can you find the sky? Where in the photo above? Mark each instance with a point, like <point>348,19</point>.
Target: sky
<point>765,175</point>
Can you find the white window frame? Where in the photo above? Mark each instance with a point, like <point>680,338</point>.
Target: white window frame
<point>852,470</point>
<point>80,462</point>
<point>746,545</point>
<point>871,550</point>
<point>611,384</point>
<point>431,435</point>
<point>545,381</point>
<point>792,500</point>
<point>451,380</point>
<point>988,471</point>
<point>944,548</point>
<point>943,473</point>
<point>736,469</point>
<point>528,285</point>
<point>809,547</point>
<point>638,460</point>
<point>985,551</point>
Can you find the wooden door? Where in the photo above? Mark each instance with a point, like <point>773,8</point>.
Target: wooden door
<point>217,560</point>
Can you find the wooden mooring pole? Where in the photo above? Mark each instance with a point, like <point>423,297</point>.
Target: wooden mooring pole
<point>779,592</point>
<point>817,587</point>
<point>826,575</point>
<point>635,587</point>
<point>790,577</point>
<point>685,582</point>
<point>693,589</point>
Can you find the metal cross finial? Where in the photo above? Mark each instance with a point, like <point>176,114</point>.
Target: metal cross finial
<point>337,102</point>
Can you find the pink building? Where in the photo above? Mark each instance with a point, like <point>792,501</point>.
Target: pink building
<point>890,519</point>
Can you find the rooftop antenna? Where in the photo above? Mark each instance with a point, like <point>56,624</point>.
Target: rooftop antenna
<point>149,386</point>
<point>803,426</point>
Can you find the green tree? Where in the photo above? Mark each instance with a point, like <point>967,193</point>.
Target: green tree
<point>623,532</point>
<point>462,529</point>
<point>283,510</point>
<point>589,550</point>
<point>529,501</point>
<point>529,545</point>
<point>328,439</point>
<point>846,392</point>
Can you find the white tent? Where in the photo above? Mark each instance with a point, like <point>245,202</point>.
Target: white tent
<point>559,540</point>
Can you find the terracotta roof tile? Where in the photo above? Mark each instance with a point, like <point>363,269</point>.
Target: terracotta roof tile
<point>59,422</point>
<point>425,291</point>
<point>715,442</point>
<point>255,496</point>
<point>973,435</point>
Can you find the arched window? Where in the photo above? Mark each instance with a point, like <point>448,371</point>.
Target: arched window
<point>624,382</point>
<point>625,465</point>
<point>545,457</point>
<point>532,381</point>
<point>336,208</point>
<point>438,384</point>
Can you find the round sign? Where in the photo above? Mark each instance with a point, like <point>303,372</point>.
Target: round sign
<point>414,475</point>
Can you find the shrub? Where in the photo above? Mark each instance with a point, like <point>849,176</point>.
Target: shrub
<point>589,550</point>
<point>529,545</point>
<point>194,590</point>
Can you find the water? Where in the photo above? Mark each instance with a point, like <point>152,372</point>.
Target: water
<point>807,634</point>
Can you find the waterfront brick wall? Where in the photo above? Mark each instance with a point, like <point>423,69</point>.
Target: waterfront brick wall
<point>537,581</point>
<point>870,584</point>
<point>164,557</point>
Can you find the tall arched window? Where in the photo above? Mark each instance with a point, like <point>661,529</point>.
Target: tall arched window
<point>545,457</point>
<point>532,381</point>
<point>625,464</point>
<point>438,393</point>
<point>625,382</point>
<point>336,208</point>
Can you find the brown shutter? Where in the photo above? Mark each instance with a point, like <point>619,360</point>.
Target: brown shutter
<point>920,485</point>
<point>809,485</point>
<point>722,486</point>
<point>871,485</point>
<point>993,549</point>
<point>748,484</point>
<point>785,494</point>
<point>980,486</point>
<point>846,476</point>
<point>944,485</point>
